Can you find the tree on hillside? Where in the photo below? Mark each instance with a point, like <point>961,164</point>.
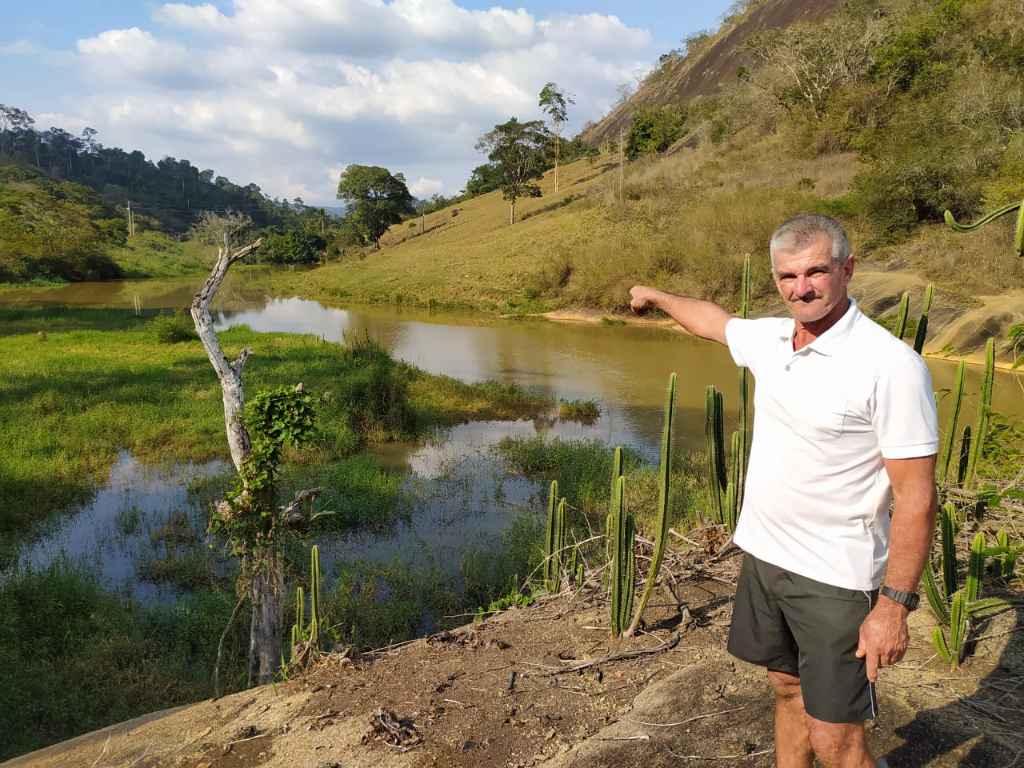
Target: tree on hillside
<point>483,179</point>
<point>376,199</point>
<point>555,102</point>
<point>517,150</point>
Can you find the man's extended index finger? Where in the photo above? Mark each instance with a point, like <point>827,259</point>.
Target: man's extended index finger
<point>872,662</point>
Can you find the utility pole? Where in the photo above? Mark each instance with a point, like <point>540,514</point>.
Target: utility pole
<point>131,221</point>
<point>423,222</point>
<point>323,222</point>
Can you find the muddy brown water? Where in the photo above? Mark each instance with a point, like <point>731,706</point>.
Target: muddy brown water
<point>461,494</point>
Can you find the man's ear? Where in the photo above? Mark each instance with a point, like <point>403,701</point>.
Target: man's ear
<point>848,266</point>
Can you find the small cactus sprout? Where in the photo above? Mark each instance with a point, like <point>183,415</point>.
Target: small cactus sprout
<point>1018,236</point>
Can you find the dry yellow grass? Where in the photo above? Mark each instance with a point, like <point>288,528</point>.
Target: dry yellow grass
<point>682,222</point>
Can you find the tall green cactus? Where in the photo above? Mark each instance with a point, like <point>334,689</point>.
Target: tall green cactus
<point>552,546</point>
<point>899,330</point>
<point>1018,236</point>
<point>714,443</point>
<point>306,638</point>
<point>954,418</point>
<point>744,418</point>
<point>965,456</point>
<point>922,325</point>
<point>734,489</point>
<point>623,563</point>
<point>664,482</point>
<point>984,410</point>
<point>315,616</point>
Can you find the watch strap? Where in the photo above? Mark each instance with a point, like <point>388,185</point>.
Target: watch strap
<point>908,600</point>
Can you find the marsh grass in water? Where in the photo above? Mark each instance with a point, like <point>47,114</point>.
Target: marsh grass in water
<point>79,385</point>
<point>583,470</point>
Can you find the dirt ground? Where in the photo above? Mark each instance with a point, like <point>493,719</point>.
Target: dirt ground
<point>547,686</point>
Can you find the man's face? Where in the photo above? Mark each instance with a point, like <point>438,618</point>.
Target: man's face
<point>809,281</point>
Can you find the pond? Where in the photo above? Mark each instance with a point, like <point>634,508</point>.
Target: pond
<point>460,492</point>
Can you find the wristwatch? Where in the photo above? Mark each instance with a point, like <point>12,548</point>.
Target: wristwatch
<point>908,600</point>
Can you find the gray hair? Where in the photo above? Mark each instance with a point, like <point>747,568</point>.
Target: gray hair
<point>802,230</point>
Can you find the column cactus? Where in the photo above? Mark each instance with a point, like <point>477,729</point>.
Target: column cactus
<point>551,540</point>
<point>664,486</point>
<point>899,330</point>
<point>623,565</point>
<point>714,444</point>
<point>734,488</point>
<point>984,409</point>
<point>305,639</point>
<point>922,325</point>
<point>1018,237</point>
<point>954,417</point>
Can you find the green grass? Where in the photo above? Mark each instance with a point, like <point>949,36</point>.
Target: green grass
<point>155,254</point>
<point>74,657</point>
<point>79,385</point>
<point>583,471</point>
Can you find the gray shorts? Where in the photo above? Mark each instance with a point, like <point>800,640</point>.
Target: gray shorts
<point>789,623</point>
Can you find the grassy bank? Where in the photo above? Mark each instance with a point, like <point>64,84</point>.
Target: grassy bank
<point>77,386</point>
<point>74,657</point>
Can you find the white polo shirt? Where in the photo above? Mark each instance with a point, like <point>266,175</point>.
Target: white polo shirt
<point>816,499</point>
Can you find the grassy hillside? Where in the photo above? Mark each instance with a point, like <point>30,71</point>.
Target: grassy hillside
<point>924,111</point>
<point>53,230</point>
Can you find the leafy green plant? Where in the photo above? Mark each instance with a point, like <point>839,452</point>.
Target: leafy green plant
<point>173,328</point>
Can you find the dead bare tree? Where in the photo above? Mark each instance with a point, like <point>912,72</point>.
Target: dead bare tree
<point>248,513</point>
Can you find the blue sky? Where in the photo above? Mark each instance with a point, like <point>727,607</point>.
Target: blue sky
<point>287,92</point>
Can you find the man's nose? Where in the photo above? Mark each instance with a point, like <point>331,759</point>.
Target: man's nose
<point>802,285</point>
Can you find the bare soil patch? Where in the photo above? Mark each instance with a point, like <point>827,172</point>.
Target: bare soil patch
<point>547,686</point>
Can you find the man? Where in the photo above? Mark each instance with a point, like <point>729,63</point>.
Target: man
<point>844,423</point>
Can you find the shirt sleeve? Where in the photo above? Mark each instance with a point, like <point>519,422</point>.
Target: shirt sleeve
<point>747,341</point>
<point>905,418</point>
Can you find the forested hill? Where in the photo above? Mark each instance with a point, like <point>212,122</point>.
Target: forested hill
<point>169,193</point>
<point>707,60</point>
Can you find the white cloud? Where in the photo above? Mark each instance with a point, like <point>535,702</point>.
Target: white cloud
<point>286,93</point>
<point>424,187</point>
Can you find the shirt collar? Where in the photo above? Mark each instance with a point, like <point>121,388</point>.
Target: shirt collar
<point>827,343</point>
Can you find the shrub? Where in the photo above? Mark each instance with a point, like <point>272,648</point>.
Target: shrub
<point>654,130</point>
<point>174,328</point>
<point>295,246</point>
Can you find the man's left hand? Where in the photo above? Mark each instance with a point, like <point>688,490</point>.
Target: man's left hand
<point>883,636</point>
